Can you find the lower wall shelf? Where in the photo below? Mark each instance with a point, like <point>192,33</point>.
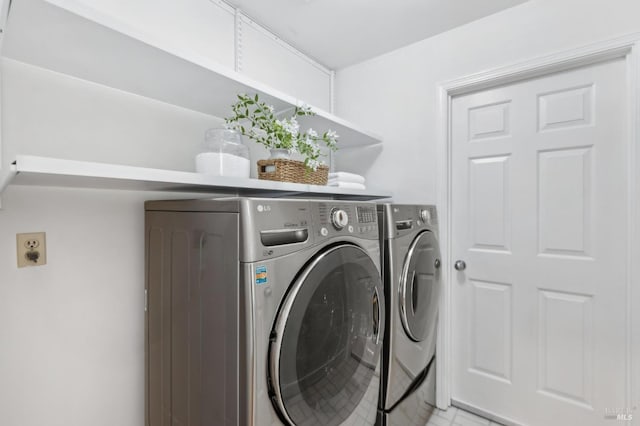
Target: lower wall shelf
<point>45,171</point>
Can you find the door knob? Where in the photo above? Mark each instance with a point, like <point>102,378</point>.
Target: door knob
<point>460,265</point>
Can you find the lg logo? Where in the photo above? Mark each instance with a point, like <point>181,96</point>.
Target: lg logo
<point>264,208</point>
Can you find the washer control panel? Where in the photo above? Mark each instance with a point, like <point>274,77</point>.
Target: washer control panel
<point>337,218</point>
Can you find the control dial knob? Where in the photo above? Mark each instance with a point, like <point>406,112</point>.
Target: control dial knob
<point>425,215</point>
<point>339,218</point>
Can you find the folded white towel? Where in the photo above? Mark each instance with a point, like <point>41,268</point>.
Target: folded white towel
<point>347,185</point>
<point>333,181</point>
<point>346,177</point>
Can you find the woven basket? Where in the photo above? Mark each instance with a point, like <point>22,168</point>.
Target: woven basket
<point>285,170</point>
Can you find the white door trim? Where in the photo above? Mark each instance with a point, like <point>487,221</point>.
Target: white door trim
<point>627,47</point>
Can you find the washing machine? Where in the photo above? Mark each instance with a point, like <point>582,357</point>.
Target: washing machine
<point>411,270</point>
<point>262,312</point>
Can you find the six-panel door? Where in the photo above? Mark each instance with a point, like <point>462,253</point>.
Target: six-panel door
<point>540,218</point>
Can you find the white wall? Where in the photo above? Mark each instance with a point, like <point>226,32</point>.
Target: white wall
<point>267,58</point>
<point>205,27</point>
<point>395,95</point>
<point>53,115</point>
<point>208,28</point>
<point>71,332</point>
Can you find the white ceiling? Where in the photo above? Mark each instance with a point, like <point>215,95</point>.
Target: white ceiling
<point>338,33</point>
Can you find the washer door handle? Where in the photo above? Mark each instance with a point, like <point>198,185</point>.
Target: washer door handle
<point>460,265</point>
<point>414,292</point>
<point>376,315</point>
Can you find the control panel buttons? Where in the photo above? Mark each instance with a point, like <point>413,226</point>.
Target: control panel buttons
<point>324,231</point>
<point>339,218</point>
<point>366,229</point>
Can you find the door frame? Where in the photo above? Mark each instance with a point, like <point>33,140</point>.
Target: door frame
<point>626,48</point>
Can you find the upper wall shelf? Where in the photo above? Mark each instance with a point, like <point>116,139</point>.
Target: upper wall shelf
<point>44,171</point>
<point>69,37</point>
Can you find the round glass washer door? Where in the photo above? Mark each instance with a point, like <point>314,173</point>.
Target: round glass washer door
<point>327,337</point>
<point>420,284</point>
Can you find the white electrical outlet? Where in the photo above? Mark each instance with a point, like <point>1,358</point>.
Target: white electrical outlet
<point>32,249</point>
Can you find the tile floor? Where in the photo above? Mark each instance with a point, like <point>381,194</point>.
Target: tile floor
<point>457,417</point>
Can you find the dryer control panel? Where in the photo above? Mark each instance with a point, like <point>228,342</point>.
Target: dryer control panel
<point>403,219</point>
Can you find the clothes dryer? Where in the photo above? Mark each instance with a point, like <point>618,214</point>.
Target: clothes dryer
<point>411,274</point>
<point>263,312</point>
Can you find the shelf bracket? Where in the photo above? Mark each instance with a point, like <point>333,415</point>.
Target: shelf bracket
<point>237,41</point>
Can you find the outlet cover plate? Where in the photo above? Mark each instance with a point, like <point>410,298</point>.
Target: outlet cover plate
<point>32,249</point>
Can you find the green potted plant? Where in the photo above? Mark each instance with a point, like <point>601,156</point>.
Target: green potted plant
<point>282,136</point>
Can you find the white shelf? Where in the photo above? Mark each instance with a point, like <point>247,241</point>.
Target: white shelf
<point>69,37</point>
<point>44,171</point>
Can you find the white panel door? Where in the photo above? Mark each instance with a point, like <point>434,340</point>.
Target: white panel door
<point>540,218</point>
